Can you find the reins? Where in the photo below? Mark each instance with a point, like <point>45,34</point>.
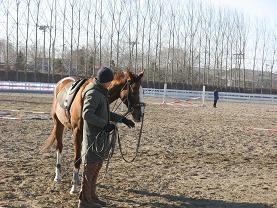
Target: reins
<point>109,147</point>
<point>128,83</point>
<point>138,144</point>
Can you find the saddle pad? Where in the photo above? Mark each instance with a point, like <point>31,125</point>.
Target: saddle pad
<point>67,95</point>
<point>62,95</point>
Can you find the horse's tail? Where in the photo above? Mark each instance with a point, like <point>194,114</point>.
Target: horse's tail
<point>57,131</point>
<point>55,135</point>
<point>49,141</point>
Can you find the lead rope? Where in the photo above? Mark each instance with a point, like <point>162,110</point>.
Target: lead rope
<point>138,144</point>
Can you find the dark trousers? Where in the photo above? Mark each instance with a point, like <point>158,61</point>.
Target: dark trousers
<point>88,188</point>
<point>215,101</point>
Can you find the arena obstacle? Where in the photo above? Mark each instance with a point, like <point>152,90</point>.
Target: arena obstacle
<point>263,129</point>
<point>186,102</point>
<point>10,114</point>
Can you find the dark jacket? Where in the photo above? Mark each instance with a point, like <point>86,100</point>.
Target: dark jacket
<point>216,97</point>
<point>96,114</point>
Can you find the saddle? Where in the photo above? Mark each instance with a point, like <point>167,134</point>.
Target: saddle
<point>66,96</point>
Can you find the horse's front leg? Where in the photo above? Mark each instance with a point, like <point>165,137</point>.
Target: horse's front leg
<point>77,137</point>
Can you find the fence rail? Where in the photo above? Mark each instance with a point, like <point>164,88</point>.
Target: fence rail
<point>11,86</point>
<point>36,87</point>
<point>226,96</point>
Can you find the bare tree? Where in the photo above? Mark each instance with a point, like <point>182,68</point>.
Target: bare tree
<point>87,33</point>
<point>118,26</point>
<point>17,27</point>
<point>228,37</point>
<point>200,43</point>
<point>78,40</point>
<point>112,31</point>
<point>273,60</point>
<point>54,42</point>
<point>265,39</point>
<point>27,40</point>
<point>255,56</point>
<point>72,4</point>
<point>143,34</point>
<point>137,33</point>
<point>169,47</point>
<point>7,40</point>
<point>50,40</point>
<point>100,33</point>
<point>36,40</point>
<point>94,37</point>
<point>63,46</point>
<point>151,16</point>
<point>158,44</point>
<point>173,47</point>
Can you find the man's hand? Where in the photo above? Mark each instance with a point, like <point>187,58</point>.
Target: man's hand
<point>128,122</point>
<point>109,127</point>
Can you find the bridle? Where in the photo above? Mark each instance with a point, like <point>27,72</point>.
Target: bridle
<point>131,107</point>
<point>130,104</point>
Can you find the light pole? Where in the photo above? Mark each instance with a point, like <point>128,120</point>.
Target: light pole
<point>43,28</point>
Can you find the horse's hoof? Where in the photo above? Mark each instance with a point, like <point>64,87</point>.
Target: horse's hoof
<point>73,190</point>
<point>57,179</point>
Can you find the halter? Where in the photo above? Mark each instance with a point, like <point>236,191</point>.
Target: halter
<point>130,106</point>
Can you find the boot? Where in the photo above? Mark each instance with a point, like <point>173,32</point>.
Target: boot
<point>88,197</point>
<point>83,204</point>
<point>93,190</point>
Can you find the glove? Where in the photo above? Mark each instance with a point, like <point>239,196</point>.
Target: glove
<point>128,122</point>
<point>109,127</point>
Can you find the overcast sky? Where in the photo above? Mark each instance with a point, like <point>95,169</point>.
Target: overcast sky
<point>264,9</point>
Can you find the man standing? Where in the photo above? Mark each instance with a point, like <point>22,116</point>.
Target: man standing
<point>216,97</point>
<point>97,116</point>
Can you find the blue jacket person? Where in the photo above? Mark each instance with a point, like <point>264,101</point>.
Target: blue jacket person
<point>216,97</point>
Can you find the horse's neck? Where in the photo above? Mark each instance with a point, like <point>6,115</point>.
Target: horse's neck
<point>114,92</point>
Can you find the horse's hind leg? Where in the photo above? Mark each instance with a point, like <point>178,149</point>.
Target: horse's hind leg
<point>77,137</point>
<point>58,133</point>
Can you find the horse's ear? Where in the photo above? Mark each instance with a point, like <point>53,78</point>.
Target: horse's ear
<point>128,74</point>
<point>140,75</point>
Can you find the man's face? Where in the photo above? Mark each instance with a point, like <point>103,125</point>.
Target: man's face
<point>106,85</point>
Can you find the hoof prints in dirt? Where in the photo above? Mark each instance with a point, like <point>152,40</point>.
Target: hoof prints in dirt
<point>189,157</point>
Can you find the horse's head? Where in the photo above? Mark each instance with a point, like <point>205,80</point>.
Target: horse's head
<point>131,93</point>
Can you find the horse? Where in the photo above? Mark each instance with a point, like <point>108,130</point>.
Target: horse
<point>126,85</point>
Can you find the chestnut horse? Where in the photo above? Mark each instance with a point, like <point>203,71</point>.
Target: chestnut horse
<point>125,85</point>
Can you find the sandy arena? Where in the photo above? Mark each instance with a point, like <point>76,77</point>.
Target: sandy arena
<point>189,157</point>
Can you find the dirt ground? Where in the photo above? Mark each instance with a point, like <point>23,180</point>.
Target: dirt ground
<point>189,157</point>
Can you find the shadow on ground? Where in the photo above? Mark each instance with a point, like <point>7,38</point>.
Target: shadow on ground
<point>178,201</point>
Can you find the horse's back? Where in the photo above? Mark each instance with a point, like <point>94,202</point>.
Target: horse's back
<point>62,84</point>
<point>60,96</point>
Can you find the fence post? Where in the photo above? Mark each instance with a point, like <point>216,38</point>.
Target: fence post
<point>164,95</point>
<point>203,95</point>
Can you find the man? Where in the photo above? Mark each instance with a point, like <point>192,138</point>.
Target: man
<point>216,97</point>
<point>97,116</point>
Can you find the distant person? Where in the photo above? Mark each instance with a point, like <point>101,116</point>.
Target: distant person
<point>216,97</point>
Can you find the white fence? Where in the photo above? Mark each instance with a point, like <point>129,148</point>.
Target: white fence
<point>226,96</point>
<point>37,87</point>
<point>10,86</point>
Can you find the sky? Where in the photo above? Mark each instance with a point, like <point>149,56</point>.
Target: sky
<point>266,9</point>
